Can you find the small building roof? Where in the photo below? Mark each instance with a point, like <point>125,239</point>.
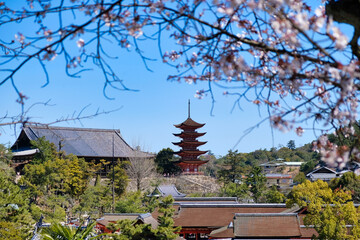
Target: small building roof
<point>266,225</point>
<point>277,175</point>
<point>275,164</point>
<point>322,170</point>
<point>166,190</point>
<point>82,142</point>
<point>146,218</point>
<point>293,163</point>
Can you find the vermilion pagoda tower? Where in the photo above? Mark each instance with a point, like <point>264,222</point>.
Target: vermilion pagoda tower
<point>189,162</point>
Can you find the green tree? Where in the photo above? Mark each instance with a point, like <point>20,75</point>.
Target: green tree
<point>232,167</point>
<point>120,178</point>
<point>76,175</point>
<point>308,166</point>
<point>46,150</point>
<point>165,230</point>
<point>274,196</point>
<point>9,231</point>
<point>14,210</point>
<point>5,161</point>
<point>299,178</point>
<point>238,190</point>
<point>5,154</point>
<point>55,181</point>
<point>165,163</point>
<point>348,182</point>
<point>329,212</point>
<point>130,203</point>
<point>95,200</point>
<point>130,230</point>
<point>291,145</point>
<point>256,181</point>
<point>59,232</point>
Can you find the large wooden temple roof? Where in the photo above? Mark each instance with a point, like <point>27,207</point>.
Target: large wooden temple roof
<point>84,142</point>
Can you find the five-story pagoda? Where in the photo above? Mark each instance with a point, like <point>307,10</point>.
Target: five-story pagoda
<point>189,162</point>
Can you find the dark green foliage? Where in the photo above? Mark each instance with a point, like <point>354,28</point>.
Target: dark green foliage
<point>233,167</point>
<point>256,181</point>
<point>96,200</point>
<point>299,178</point>
<point>47,150</point>
<point>165,162</point>
<point>120,178</point>
<point>291,145</point>
<point>308,166</point>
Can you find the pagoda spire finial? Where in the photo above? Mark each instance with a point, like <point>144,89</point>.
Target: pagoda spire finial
<point>189,109</point>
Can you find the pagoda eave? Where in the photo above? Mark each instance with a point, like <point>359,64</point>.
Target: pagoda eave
<point>196,162</point>
<point>189,123</point>
<point>188,134</point>
<point>183,144</point>
<point>184,153</point>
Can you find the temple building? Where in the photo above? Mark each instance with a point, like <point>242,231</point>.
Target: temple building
<point>88,143</point>
<point>189,153</point>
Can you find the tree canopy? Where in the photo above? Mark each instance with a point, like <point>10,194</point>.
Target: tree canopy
<point>331,213</point>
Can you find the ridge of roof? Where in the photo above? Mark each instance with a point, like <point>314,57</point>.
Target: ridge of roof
<point>71,128</point>
<point>318,169</point>
<point>206,198</point>
<point>264,214</point>
<point>233,205</point>
<point>122,214</point>
<point>189,123</point>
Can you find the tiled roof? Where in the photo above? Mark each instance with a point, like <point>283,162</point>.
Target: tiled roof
<point>205,200</point>
<point>307,232</point>
<point>325,176</point>
<point>266,225</point>
<point>166,190</point>
<point>277,175</point>
<point>218,215</point>
<point>322,170</point>
<point>147,218</point>
<point>114,217</point>
<point>224,232</point>
<point>189,123</point>
<point>84,142</point>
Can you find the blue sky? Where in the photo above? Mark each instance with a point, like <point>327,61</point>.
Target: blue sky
<point>145,117</point>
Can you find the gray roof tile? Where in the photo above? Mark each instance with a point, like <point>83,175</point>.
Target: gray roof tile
<point>84,142</point>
